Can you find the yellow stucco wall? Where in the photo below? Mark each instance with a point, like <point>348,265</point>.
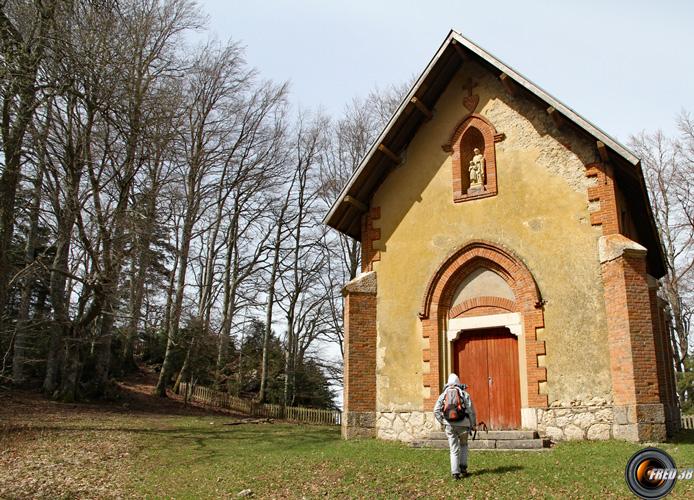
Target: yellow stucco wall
<point>541,214</point>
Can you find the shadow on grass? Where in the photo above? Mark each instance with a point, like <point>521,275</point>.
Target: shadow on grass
<point>202,444</point>
<point>287,435</point>
<point>497,470</point>
<point>683,437</point>
<point>259,433</point>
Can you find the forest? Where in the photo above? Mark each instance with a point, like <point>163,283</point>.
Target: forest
<point>161,203</point>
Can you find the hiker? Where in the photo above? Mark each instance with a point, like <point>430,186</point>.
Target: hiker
<point>455,412</point>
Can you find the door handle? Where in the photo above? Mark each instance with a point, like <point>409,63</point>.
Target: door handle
<point>490,381</point>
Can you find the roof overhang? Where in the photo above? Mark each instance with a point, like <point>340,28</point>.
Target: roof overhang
<point>345,213</point>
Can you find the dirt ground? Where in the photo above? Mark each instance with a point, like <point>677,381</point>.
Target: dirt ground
<point>50,449</point>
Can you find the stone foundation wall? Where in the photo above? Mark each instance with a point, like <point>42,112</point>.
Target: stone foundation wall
<point>639,422</point>
<point>358,424</point>
<point>576,420</point>
<point>594,419</point>
<point>405,425</point>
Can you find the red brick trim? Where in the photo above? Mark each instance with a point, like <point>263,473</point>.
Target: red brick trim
<point>461,126</point>
<point>467,306</point>
<point>455,145</point>
<point>604,191</point>
<point>669,394</point>
<point>369,234</point>
<point>662,351</point>
<point>360,352</point>
<point>436,305</point>
<point>632,343</point>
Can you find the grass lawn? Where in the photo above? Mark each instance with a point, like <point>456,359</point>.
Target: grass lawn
<point>69,452</point>
<point>203,458</point>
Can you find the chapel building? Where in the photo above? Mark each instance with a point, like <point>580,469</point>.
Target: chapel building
<point>507,239</point>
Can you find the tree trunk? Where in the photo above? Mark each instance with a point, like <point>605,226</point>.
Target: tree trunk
<point>72,368</point>
<point>262,393</point>
<point>137,296</point>
<point>22,326</point>
<point>230,289</point>
<point>228,311</point>
<point>176,309</point>
<point>16,121</point>
<point>57,285</point>
<point>102,352</point>
<point>186,365</point>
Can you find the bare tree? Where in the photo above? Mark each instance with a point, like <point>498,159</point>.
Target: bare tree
<point>281,232</point>
<point>669,171</point>
<point>303,261</point>
<point>157,193</point>
<point>350,139</point>
<point>30,272</point>
<point>25,32</point>
<point>150,30</point>
<point>103,116</point>
<point>216,75</point>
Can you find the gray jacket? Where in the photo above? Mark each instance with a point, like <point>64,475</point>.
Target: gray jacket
<point>470,419</point>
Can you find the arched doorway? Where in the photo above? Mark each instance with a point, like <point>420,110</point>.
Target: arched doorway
<point>485,294</point>
<point>487,361</point>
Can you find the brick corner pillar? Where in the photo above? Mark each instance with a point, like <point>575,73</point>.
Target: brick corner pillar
<point>638,411</point>
<point>359,399</point>
<point>666,367</point>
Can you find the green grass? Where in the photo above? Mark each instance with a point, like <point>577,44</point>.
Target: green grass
<point>155,456</point>
<point>202,458</point>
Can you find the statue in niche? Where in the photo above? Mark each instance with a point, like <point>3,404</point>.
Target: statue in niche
<point>476,170</point>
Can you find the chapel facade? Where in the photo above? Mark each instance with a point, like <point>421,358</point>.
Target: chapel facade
<point>509,240</point>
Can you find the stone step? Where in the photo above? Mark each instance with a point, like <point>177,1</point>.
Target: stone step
<point>519,444</point>
<point>486,444</point>
<point>496,435</point>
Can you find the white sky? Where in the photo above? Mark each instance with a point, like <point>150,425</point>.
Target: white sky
<point>625,65</point>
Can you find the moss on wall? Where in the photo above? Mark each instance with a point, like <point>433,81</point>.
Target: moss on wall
<point>541,214</point>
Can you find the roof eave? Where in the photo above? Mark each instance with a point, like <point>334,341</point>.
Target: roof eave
<point>331,218</point>
<point>328,219</point>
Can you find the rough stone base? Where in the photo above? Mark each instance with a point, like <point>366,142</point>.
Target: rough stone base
<point>405,426</point>
<point>576,420</point>
<point>358,424</point>
<point>594,419</point>
<point>643,422</point>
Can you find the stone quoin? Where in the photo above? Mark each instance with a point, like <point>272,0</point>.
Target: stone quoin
<point>505,238</point>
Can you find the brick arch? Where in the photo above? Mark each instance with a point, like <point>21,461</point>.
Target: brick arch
<point>474,120</point>
<point>436,306</point>
<point>460,156</point>
<point>489,304</point>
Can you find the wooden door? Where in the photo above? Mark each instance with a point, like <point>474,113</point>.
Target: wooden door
<point>487,361</point>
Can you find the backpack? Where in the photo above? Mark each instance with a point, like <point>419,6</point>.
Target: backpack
<point>454,405</point>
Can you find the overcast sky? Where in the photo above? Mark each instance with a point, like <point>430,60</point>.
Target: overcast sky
<point>624,65</point>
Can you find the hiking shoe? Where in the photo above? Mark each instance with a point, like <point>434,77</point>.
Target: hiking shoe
<point>464,473</point>
<point>456,476</point>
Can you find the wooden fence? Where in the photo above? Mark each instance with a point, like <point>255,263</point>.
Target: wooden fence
<point>688,421</point>
<point>218,399</point>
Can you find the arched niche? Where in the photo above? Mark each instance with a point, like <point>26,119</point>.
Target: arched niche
<point>474,132</point>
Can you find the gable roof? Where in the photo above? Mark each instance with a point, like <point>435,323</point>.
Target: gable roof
<point>345,213</point>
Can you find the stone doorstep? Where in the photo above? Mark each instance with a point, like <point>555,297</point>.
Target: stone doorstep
<point>519,444</point>
<point>487,444</point>
<point>494,435</point>
<point>491,440</point>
